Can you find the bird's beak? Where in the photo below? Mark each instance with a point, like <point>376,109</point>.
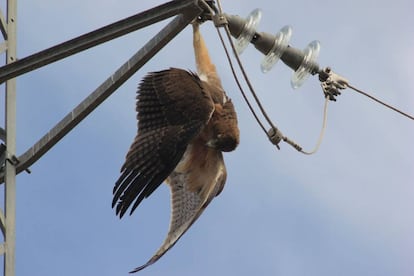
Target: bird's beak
<point>212,143</point>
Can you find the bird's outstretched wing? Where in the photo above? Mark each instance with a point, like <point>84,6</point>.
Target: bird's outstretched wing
<point>172,108</point>
<point>193,185</point>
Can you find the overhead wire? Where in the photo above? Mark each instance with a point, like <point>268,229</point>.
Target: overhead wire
<point>380,102</point>
<point>322,132</point>
<point>234,71</point>
<point>277,135</point>
<point>256,98</point>
<point>239,85</point>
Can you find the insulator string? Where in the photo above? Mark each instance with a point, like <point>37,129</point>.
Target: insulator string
<point>252,91</point>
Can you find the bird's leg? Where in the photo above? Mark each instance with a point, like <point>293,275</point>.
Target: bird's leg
<point>203,62</point>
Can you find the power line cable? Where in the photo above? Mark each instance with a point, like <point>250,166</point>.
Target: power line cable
<point>380,102</point>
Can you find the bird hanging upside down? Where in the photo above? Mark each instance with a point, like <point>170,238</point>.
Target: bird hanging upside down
<point>185,122</point>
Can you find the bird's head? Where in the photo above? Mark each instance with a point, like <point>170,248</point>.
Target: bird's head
<point>225,134</point>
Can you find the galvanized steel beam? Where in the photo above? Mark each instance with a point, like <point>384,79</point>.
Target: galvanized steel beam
<point>96,37</point>
<point>191,11</point>
<point>9,222</point>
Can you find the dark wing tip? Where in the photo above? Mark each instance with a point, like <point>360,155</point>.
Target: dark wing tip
<point>120,210</point>
<point>134,186</point>
<point>138,268</point>
<point>150,262</point>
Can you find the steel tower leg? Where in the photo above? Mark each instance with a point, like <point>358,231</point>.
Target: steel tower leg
<point>7,218</point>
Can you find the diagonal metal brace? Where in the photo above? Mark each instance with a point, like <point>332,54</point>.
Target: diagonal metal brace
<point>3,25</point>
<point>97,37</point>
<point>2,223</point>
<point>191,11</point>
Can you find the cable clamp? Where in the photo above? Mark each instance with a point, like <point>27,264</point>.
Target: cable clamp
<point>275,136</point>
<point>210,11</point>
<point>292,143</point>
<point>331,83</point>
<point>220,20</point>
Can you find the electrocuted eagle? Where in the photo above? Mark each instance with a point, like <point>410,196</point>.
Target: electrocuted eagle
<point>185,122</point>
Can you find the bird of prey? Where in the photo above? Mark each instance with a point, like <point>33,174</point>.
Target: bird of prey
<point>185,122</point>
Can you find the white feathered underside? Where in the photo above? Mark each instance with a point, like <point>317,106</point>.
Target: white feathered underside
<point>184,204</point>
<point>187,205</point>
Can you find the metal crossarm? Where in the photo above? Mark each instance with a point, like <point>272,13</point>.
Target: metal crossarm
<point>97,37</point>
<point>103,91</point>
<point>187,10</point>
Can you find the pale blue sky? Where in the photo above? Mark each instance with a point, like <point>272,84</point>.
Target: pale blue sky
<point>347,210</point>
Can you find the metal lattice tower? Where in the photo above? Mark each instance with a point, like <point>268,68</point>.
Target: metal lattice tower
<point>7,218</point>
<point>183,12</point>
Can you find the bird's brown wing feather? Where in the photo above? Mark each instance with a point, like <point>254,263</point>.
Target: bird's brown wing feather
<point>192,189</point>
<point>172,108</point>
